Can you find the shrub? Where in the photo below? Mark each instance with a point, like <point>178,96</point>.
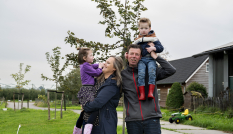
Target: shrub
<point>194,86</point>
<point>229,113</point>
<point>175,97</point>
<point>24,109</point>
<point>42,104</point>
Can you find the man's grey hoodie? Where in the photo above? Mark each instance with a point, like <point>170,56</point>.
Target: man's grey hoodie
<point>141,110</point>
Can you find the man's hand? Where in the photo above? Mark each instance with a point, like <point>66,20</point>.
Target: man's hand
<point>154,55</point>
<point>126,55</point>
<point>151,48</point>
<point>151,44</point>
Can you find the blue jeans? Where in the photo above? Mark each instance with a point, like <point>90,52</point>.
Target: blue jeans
<point>149,126</point>
<point>150,63</point>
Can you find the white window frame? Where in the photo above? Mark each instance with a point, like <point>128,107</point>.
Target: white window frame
<point>168,90</point>
<point>159,93</point>
<point>207,67</point>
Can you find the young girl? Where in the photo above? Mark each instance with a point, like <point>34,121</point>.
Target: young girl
<point>87,71</point>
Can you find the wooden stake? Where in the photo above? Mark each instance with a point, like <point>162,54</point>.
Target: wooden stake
<point>61,103</point>
<point>48,105</point>
<point>14,101</point>
<point>22,101</point>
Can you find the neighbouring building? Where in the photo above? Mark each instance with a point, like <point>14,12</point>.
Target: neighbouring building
<point>188,70</point>
<point>220,68</point>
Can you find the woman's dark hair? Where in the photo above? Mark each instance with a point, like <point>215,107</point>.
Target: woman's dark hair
<point>83,52</point>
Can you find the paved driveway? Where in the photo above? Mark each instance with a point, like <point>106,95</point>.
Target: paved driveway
<point>166,126</point>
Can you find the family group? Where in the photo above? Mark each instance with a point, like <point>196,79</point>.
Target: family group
<point>104,83</point>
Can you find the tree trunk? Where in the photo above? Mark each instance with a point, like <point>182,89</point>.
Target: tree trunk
<point>73,101</point>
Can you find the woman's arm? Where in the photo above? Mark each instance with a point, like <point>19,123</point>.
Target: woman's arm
<point>102,98</point>
<point>165,70</point>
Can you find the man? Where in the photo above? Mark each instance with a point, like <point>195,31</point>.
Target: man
<point>142,116</point>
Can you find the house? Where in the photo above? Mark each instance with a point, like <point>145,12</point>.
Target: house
<point>188,70</point>
<point>220,68</point>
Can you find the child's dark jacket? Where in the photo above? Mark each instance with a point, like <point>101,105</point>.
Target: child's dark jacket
<point>143,42</point>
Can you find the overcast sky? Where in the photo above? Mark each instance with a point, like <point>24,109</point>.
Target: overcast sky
<point>29,29</point>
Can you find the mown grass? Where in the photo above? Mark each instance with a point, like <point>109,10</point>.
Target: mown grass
<point>210,118</point>
<point>73,107</point>
<point>36,121</point>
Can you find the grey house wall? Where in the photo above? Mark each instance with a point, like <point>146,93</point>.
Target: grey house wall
<point>201,76</point>
<point>211,76</point>
<point>218,73</point>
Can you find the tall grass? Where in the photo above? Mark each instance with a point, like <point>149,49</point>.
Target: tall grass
<point>207,117</point>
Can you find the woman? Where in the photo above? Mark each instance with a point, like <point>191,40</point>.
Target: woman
<point>107,99</point>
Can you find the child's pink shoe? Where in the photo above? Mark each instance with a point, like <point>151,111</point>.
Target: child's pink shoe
<point>87,129</point>
<point>77,130</point>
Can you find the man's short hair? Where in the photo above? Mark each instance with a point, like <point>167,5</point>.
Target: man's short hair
<point>134,46</point>
<point>144,20</point>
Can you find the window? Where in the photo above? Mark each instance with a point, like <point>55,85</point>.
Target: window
<point>168,90</point>
<point>158,93</point>
<point>207,67</point>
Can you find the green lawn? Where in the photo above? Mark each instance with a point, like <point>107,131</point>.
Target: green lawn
<point>207,118</point>
<point>36,121</point>
<point>73,107</point>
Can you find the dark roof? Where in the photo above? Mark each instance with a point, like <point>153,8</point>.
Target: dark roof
<point>184,69</point>
<point>217,49</point>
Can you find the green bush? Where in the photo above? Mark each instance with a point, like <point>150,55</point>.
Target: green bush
<point>194,86</point>
<point>229,113</point>
<point>175,97</point>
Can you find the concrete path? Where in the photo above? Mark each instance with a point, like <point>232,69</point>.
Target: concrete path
<point>167,128</point>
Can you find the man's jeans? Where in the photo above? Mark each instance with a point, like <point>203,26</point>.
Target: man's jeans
<point>150,63</point>
<point>149,126</point>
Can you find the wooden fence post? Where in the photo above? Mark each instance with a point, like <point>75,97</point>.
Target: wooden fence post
<point>55,104</point>
<point>18,101</point>
<point>194,104</point>
<point>61,103</point>
<point>14,100</point>
<point>64,102</point>
<point>22,101</point>
<point>48,105</point>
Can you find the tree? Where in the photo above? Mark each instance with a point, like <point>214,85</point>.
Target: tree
<point>19,77</point>
<point>175,97</point>
<point>54,62</point>
<point>195,86</point>
<point>121,27</point>
<point>71,83</point>
<point>41,87</point>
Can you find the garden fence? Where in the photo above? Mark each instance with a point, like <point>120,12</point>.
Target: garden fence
<point>223,102</point>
